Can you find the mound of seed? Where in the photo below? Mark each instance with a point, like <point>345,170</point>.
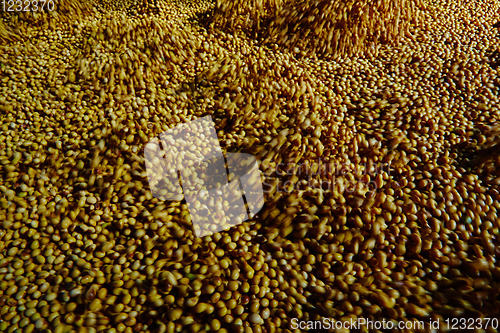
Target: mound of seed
<point>341,28</point>
<point>246,15</point>
<point>408,231</point>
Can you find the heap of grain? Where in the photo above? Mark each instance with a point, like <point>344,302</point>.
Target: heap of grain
<point>341,28</point>
<point>246,15</point>
<point>84,247</point>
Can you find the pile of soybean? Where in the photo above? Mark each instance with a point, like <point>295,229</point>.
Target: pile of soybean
<point>409,232</point>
